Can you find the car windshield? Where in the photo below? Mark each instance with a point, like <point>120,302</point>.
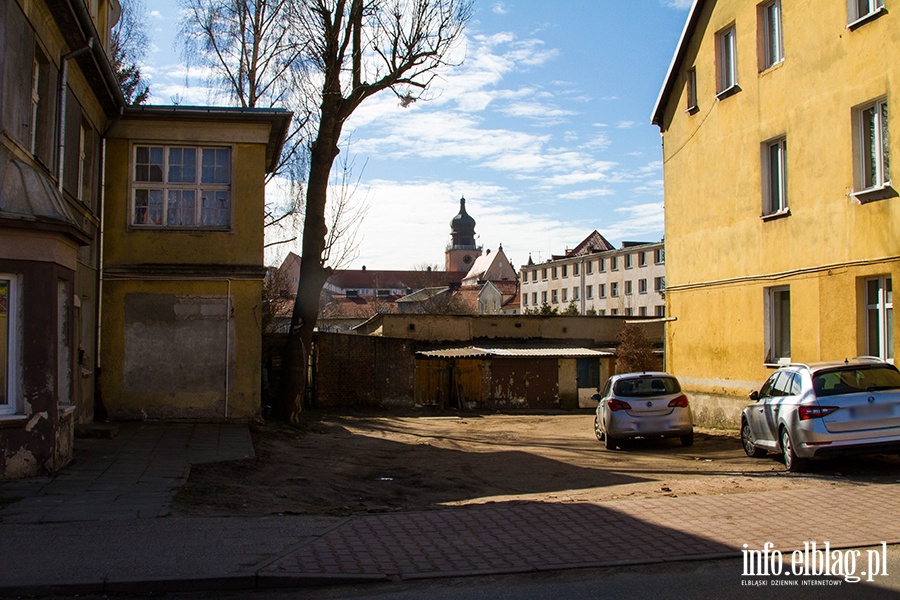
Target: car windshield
<point>852,380</point>
<point>639,387</point>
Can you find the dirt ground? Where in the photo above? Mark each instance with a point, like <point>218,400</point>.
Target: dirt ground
<point>343,464</point>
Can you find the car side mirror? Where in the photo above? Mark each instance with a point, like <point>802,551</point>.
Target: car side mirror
<point>596,397</point>
<point>754,395</point>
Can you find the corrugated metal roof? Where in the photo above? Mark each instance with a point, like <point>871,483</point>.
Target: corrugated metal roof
<point>476,352</point>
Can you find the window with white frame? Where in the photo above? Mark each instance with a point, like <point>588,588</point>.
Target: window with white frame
<point>629,311</point>
<point>565,294</point>
<point>544,297</point>
<point>775,200</point>
<point>642,286</point>
<point>601,312</point>
<point>659,256</point>
<point>534,275</point>
<point>589,292</point>
<point>614,312</point>
<point>181,187</point>
<point>772,51</point>
<point>603,265</point>
<point>589,267</point>
<point>691,90</point>
<point>880,317</point>
<point>565,270</point>
<point>575,294</point>
<point>873,165</point>
<point>726,65</point>
<point>8,345</point>
<point>642,259</point>
<point>862,10</point>
<point>554,272</point>
<point>614,263</point>
<point>544,274</point>
<point>525,300</point>
<point>629,261</point>
<point>642,311</point>
<point>628,285</point>
<point>575,270</point>
<point>614,289</point>
<point>660,311</point>
<point>602,290</point>
<point>778,323</point>
<point>659,284</point>
<point>534,298</point>
<point>554,296</point>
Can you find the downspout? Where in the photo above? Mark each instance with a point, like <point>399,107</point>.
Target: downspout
<point>227,344</point>
<point>63,82</point>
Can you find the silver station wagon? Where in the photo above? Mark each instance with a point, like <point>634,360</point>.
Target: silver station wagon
<point>642,405</point>
<point>824,409</point>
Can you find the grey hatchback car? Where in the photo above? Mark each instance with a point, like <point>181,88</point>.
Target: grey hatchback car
<point>824,409</point>
<point>642,405</point>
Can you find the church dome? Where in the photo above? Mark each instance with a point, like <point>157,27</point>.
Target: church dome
<point>462,223</point>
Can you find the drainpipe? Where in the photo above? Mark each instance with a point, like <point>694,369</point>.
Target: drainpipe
<point>227,345</point>
<point>63,82</point>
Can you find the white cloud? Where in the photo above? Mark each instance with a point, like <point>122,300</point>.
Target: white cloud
<point>679,4</point>
<point>499,8</point>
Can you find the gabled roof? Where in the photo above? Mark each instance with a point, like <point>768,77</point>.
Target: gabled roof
<point>592,243</point>
<point>671,76</point>
<point>488,267</point>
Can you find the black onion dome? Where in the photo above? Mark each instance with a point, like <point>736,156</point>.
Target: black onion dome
<point>462,223</point>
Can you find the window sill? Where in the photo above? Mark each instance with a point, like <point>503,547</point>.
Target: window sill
<point>163,228</point>
<point>730,91</point>
<point>13,420</point>
<point>867,18</point>
<point>692,110</point>
<point>873,194</point>
<point>773,67</point>
<point>778,214</point>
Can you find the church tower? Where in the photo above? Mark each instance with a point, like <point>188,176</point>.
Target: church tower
<point>462,250</point>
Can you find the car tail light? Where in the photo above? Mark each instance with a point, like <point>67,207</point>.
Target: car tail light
<point>679,402</point>
<point>814,412</point>
<point>615,405</point>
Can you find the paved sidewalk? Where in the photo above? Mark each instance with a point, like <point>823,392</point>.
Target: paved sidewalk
<point>100,527</point>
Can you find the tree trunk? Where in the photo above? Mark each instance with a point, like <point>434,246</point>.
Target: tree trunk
<point>313,273</point>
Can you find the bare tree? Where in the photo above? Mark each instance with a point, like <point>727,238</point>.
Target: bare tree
<point>634,352</point>
<point>257,57</point>
<point>359,48</point>
<point>127,47</point>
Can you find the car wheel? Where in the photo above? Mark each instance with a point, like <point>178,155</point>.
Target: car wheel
<point>611,442</point>
<point>687,440</point>
<point>793,462</point>
<point>597,431</point>
<point>747,442</point>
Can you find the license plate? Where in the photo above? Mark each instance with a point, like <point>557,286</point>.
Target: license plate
<point>872,411</point>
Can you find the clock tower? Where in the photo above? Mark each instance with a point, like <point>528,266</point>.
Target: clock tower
<point>462,250</point>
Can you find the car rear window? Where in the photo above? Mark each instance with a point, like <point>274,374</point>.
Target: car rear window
<point>646,386</point>
<point>856,379</point>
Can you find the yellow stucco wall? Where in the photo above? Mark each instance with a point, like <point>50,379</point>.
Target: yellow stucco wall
<point>181,326</point>
<point>720,255</point>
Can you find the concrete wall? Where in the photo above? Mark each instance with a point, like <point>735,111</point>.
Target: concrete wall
<point>720,255</point>
<point>445,328</point>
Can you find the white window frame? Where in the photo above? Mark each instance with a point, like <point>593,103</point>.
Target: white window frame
<point>614,263</point>
<point>726,65</point>
<point>629,287</point>
<point>869,147</point>
<point>544,297</point>
<point>776,326</point>
<point>659,256</point>
<point>629,261</point>
<point>554,296</point>
<point>534,298</point>
<point>575,294</point>
<point>10,405</point>
<point>772,34</point>
<point>774,172</point>
<point>863,11</point>
<point>659,284</point>
<point>642,286</point>
<point>35,100</point>
<point>614,289</point>
<point>198,186</point>
<point>660,310</point>
<point>589,292</point>
<point>880,309</point>
<point>589,269</point>
<point>602,290</point>
<point>565,295</point>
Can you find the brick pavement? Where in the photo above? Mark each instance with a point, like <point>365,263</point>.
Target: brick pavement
<point>537,536</point>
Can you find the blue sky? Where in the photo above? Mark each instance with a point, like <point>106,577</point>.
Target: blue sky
<point>545,128</point>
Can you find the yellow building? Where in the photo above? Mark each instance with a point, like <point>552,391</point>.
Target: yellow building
<point>782,224</point>
<point>183,261</point>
